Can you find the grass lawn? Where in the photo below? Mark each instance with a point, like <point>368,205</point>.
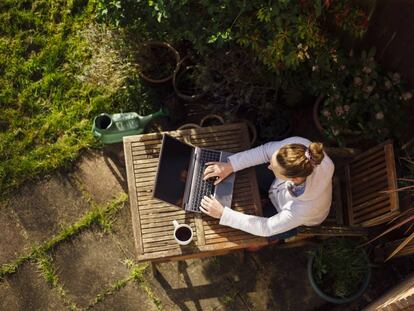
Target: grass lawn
<point>58,69</point>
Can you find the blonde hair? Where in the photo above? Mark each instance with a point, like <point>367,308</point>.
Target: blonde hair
<point>296,160</point>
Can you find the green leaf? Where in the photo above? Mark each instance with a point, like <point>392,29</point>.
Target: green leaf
<point>318,7</point>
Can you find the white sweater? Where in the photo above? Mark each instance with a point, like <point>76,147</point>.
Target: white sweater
<point>309,209</point>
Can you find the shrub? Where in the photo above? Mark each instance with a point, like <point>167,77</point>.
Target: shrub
<point>363,99</point>
<point>282,34</point>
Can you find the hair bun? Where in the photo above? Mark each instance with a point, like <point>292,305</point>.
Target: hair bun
<point>316,152</point>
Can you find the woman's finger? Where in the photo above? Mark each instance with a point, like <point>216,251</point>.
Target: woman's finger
<point>204,204</point>
<point>204,211</point>
<point>207,199</point>
<point>211,163</point>
<point>208,170</point>
<point>209,175</point>
<point>217,181</point>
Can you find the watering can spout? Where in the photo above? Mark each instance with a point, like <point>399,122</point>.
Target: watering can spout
<point>144,120</point>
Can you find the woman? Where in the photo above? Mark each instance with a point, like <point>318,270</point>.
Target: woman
<point>301,193</point>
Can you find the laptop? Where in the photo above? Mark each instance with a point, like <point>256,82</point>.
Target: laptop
<point>179,179</point>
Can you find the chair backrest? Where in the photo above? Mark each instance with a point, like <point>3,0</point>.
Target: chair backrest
<point>371,182</point>
<point>358,199</point>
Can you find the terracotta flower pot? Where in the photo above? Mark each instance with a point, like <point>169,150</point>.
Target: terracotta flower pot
<point>182,72</point>
<point>325,286</point>
<point>157,56</point>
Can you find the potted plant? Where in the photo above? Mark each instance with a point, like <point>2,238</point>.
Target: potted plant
<point>186,80</point>
<point>339,271</point>
<point>156,61</point>
<point>363,100</point>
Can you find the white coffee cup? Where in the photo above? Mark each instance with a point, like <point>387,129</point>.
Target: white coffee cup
<point>183,234</point>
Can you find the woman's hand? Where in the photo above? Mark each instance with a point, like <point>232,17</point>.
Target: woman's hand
<point>211,207</point>
<point>218,170</point>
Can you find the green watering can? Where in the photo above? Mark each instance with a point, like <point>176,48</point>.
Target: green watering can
<point>110,128</point>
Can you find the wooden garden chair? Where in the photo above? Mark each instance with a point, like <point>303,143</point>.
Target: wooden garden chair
<point>364,187</point>
<point>371,181</point>
<point>363,192</point>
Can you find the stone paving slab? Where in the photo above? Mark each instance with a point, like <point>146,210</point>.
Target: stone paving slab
<point>43,208</point>
<point>8,301</point>
<point>88,265</point>
<point>100,175</point>
<point>12,239</point>
<point>28,290</point>
<point>129,298</point>
<point>123,233</point>
<point>282,282</point>
<point>200,284</point>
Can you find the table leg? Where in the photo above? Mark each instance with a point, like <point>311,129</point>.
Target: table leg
<point>241,256</point>
<point>154,270</point>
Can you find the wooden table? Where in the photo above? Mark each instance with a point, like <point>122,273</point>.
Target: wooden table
<point>152,218</point>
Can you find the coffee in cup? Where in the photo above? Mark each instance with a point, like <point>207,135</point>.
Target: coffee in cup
<point>183,233</point>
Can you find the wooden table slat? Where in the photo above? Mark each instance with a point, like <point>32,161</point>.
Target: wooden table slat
<point>152,219</point>
<point>155,145</point>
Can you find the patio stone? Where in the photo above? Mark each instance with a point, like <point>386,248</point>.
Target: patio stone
<point>123,233</point>
<point>28,290</point>
<point>100,175</point>
<point>12,239</point>
<point>8,301</point>
<point>89,264</point>
<point>194,285</point>
<point>281,276</point>
<point>129,298</point>
<point>43,208</point>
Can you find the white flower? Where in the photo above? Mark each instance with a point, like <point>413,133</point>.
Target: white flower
<point>379,115</point>
<point>366,69</point>
<point>396,77</point>
<point>357,81</point>
<point>368,89</point>
<point>326,114</point>
<point>388,84</point>
<point>407,96</point>
<point>335,132</point>
<point>339,111</point>
<point>315,68</point>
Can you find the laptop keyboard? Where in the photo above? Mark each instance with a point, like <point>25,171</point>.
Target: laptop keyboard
<point>203,187</point>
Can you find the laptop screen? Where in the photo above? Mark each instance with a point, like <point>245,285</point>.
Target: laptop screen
<point>172,171</point>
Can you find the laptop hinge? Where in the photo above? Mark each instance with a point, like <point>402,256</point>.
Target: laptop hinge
<point>189,179</point>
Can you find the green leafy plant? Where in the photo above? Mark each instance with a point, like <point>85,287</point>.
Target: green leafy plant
<point>282,34</point>
<point>235,81</point>
<point>364,100</point>
<point>339,267</point>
